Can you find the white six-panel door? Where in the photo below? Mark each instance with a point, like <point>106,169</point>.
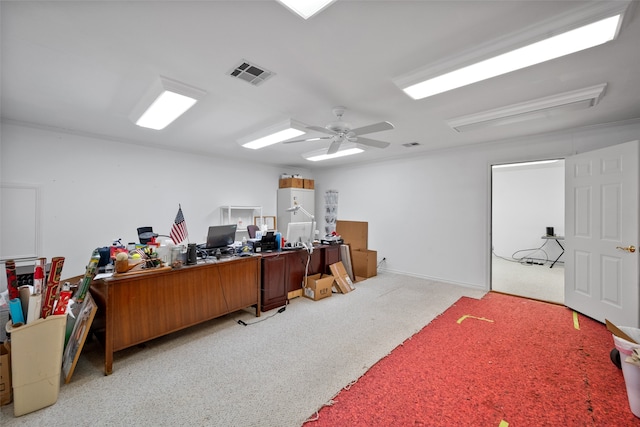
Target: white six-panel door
<point>601,232</point>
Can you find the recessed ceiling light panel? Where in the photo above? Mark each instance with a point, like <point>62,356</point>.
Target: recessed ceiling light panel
<point>345,150</point>
<point>273,134</point>
<point>306,8</point>
<point>165,101</point>
<point>583,28</point>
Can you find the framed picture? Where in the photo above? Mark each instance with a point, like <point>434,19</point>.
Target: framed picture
<point>84,313</point>
<point>269,220</point>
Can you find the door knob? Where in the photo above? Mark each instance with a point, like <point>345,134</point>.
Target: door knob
<point>631,248</point>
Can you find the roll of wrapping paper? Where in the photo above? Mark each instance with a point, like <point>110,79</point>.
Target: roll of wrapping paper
<point>63,301</point>
<point>92,269</point>
<point>12,279</point>
<point>15,309</point>
<point>51,288</point>
<point>38,275</point>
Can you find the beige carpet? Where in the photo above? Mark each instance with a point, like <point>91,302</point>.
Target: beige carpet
<point>527,280</point>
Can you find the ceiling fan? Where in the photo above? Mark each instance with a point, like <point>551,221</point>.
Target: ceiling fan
<point>341,131</point>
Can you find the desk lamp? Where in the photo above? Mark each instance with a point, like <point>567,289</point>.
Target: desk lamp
<point>308,245</point>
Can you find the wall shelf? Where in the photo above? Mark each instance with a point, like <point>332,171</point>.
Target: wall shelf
<point>242,216</point>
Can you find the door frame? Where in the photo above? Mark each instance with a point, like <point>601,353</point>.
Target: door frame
<point>489,286</point>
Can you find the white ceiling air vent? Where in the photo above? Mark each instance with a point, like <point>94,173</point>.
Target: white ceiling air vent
<point>411,144</point>
<point>251,73</point>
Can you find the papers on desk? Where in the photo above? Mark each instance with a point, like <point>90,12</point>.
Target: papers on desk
<point>103,276</point>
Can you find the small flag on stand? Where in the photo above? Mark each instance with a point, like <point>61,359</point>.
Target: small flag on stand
<point>179,228</point>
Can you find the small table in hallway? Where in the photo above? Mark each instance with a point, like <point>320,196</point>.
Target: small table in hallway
<point>557,239</point>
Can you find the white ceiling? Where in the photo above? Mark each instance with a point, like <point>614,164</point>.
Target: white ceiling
<point>82,66</point>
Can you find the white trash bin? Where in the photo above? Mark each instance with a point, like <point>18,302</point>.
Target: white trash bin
<point>630,372</point>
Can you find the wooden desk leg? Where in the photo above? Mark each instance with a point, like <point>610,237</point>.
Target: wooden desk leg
<point>259,282</point>
<point>108,336</point>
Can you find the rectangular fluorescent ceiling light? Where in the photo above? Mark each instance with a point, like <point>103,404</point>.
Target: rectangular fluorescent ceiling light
<point>273,134</point>
<point>320,155</point>
<point>515,165</point>
<point>164,102</point>
<point>306,8</point>
<point>583,28</point>
<point>540,108</point>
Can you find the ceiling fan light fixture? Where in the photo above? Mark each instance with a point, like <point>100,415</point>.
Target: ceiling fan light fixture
<point>273,134</point>
<point>164,102</point>
<point>580,29</point>
<point>320,155</point>
<point>306,8</point>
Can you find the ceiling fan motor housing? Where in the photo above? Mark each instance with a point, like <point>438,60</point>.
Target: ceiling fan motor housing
<point>339,126</point>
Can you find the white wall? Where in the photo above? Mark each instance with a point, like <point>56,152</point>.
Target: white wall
<point>94,190</point>
<point>429,215</point>
<point>525,201</point>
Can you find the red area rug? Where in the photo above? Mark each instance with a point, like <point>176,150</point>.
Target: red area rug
<point>498,361</point>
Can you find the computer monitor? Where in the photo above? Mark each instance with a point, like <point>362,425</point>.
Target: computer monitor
<point>299,232</point>
<point>221,236</point>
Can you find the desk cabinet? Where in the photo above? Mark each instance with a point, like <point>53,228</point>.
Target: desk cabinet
<point>138,308</point>
<point>283,272</point>
<point>297,264</point>
<point>331,255</point>
<point>274,280</point>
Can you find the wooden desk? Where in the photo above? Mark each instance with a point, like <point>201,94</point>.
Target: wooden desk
<point>283,272</point>
<point>138,308</point>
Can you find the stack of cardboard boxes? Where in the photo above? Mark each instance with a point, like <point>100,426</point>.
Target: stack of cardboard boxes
<point>319,286</point>
<point>356,235</point>
<point>296,182</point>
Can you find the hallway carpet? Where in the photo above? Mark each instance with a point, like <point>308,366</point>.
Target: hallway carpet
<point>499,361</point>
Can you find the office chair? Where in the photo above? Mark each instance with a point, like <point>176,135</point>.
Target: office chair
<point>251,229</point>
<point>147,232</point>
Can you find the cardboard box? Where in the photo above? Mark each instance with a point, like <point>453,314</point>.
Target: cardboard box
<point>343,281</point>
<point>309,184</point>
<point>318,286</point>
<point>365,263</point>
<point>291,183</point>
<point>36,359</point>
<point>5,374</point>
<point>354,233</point>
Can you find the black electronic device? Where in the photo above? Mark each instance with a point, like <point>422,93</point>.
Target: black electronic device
<point>220,236</point>
<point>256,245</point>
<point>268,242</point>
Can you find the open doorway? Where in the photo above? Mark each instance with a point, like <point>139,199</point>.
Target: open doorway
<point>527,227</point>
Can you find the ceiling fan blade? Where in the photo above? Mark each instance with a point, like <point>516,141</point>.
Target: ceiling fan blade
<point>333,148</point>
<point>376,127</point>
<point>308,139</point>
<point>372,142</point>
<point>321,129</point>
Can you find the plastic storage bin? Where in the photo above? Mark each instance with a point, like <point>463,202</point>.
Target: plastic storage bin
<point>630,372</point>
<point>36,363</point>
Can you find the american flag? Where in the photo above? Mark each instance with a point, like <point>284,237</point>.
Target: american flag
<point>179,228</point>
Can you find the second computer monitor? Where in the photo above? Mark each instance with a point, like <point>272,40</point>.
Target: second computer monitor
<point>299,232</point>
